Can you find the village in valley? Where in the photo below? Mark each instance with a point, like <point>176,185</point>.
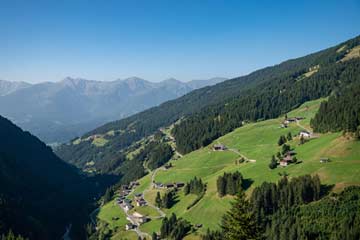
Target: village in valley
<point>287,157</point>
<point>128,201</point>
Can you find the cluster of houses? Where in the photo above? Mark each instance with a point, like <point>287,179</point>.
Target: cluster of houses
<point>122,201</point>
<point>136,219</point>
<point>139,200</point>
<point>287,121</point>
<point>159,185</point>
<point>287,159</point>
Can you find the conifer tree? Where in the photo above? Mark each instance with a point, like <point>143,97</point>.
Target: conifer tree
<point>158,200</point>
<point>273,163</point>
<point>238,223</point>
<point>289,136</point>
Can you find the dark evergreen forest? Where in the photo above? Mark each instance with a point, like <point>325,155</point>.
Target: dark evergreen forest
<point>39,193</point>
<point>300,208</point>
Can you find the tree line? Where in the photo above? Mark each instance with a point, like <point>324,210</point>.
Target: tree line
<point>167,201</point>
<point>251,218</point>
<point>229,183</point>
<point>195,186</point>
<point>267,100</point>
<point>174,228</point>
<point>340,112</point>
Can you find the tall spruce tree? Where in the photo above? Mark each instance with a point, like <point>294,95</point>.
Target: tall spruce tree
<point>239,223</point>
<point>158,200</point>
<point>273,163</point>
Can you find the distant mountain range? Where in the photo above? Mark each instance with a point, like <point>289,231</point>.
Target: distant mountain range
<point>60,111</point>
<point>7,87</point>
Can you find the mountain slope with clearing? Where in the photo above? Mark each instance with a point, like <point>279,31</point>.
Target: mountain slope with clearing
<point>256,142</point>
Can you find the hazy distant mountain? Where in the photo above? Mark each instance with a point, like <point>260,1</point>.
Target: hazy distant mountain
<point>7,87</point>
<point>59,111</point>
<point>202,83</point>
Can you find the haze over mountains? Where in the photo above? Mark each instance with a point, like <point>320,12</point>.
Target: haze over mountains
<point>59,111</point>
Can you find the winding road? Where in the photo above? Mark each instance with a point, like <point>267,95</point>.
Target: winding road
<point>161,213</point>
<point>133,220</point>
<point>301,126</point>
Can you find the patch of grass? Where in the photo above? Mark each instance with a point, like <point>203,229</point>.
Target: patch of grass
<point>100,141</point>
<point>113,215</point>
<point>146,211</point>
<point>151,226</point>
<point>256,141</point>
<point>77,141</point>
<point>353,53</point>
<point>342,48</point>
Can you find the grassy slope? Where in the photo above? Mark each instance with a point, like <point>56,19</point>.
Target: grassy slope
<point>106,215</point>
<point>256,141</point>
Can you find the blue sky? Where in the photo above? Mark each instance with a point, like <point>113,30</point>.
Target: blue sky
<point>159,39</point>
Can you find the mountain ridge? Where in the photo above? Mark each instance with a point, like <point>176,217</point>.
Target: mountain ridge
<point>207,113</point>
<point>72,106</point>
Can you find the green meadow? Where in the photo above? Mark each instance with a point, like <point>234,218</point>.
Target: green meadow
<point>257,142</point>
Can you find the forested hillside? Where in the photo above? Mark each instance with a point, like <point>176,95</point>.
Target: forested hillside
<point>292,210</point>
<point>341,112</point>
<point>269,99</point>
<point>212,178</point>
<point>210,112</point>
<point>39,193</point>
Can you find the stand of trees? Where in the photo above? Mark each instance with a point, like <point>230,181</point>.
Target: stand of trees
<point>167,201</point>
<point>195,186</point>
<point>270,197</point>
<point>160,154</point>
<point>229,183</point>
<point>340,112</point>
<point>174,228</point>
<point>334,217</point>
<point>253,218</point>
<point>283,139</point>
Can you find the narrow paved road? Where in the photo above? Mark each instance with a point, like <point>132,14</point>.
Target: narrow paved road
<point>301,126</point>
<point>161,213</point>
<point>134,222</point>
<point>238,153</point>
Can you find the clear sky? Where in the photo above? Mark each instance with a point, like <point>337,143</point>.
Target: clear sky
<point>159,39</point>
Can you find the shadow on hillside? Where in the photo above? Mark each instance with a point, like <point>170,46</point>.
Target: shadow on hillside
<point>325,189</point>
<point>247,183</point>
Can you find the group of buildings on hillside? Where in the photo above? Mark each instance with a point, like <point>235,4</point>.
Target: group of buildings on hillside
<point>126,204</point>
<point>159,185</point>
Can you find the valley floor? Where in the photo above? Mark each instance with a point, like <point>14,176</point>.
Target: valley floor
<point>257,142</point>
